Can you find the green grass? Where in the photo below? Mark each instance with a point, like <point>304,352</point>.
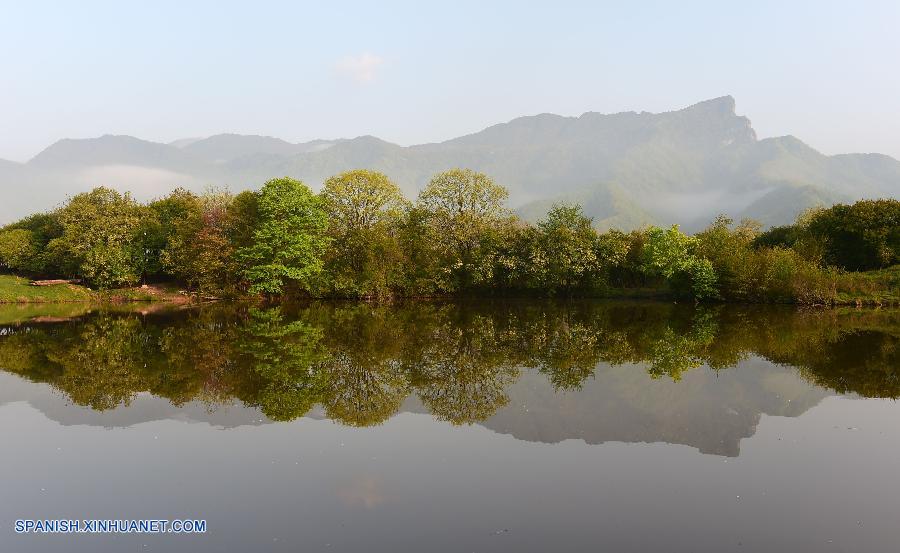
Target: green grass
<point>159,292</point>
<point>880,287</point>
<point>14,289</point>
<point>124,295</point>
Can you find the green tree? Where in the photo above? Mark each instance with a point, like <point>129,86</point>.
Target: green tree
<point>613,248</point>
<point>422,270</point>
<point>733,257</point>
<point>198,250</point>
<point>160,226</point>
<point>361,199</point>
<point>567,260</point>
<point>859,237</point>
<point>464,216</point>
<point>785,236</point>
<point>98,231</point>
<point>43,227</point>
<point>364,208</point>
<point>243,215</point>
<point>671,254</point>
<point>17,248</point>
<point>290,238</point>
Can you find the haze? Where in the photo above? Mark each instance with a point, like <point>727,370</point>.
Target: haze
<point>824,72</point>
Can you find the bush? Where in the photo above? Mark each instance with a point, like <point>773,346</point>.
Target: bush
<point>672,255</point>
<point>859,237</point>
<point>17,249</point>
<point>789,277</point>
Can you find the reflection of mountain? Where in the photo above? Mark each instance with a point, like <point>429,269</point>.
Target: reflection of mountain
<point>143,408</point>
<point>540,371</point>
<point>707,410</point>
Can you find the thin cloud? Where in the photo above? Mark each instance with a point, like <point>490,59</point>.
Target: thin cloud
<point>362,68</point>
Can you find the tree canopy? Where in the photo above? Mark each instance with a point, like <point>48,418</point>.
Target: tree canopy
<point>289,240</point>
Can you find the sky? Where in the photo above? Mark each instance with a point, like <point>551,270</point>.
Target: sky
<point>414,72</point>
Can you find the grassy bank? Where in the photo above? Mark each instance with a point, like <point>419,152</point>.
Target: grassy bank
<point>16,289</point>
<point>880,287</point>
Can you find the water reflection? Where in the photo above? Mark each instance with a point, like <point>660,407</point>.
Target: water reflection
<point>600,370</point>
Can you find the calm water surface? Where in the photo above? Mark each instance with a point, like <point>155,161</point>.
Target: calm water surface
<point>496,426</point>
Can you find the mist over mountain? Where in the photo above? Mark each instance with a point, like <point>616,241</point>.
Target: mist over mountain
<point>626,169</point>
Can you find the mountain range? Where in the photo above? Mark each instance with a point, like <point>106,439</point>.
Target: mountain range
<point>626,169</point>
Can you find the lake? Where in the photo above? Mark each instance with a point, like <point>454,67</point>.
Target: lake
<point>472,426</point>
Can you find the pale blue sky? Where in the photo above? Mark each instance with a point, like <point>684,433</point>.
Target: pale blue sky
<point>412,72</point>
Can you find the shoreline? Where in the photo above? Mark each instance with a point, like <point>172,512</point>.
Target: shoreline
<point>184,300</point>
<point>17,290</point>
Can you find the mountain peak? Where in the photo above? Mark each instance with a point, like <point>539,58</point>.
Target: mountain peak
<point>223,147</point>
<point>723,105</point>
<point>109,148</point>
<point>182,142</point>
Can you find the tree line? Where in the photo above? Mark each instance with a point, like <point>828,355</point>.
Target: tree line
<point>361,238</point>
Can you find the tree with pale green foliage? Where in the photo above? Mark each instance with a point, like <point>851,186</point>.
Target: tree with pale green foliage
<point>566,257</point>
<point>613,249</point>
<point>98,233</point>
<point>17,249</point>
<point>464,219</point>
<point>730,251</point>
<point>290,238</point>
<point>361,199</point>
<point>44,227</point>
<point>364,209</point>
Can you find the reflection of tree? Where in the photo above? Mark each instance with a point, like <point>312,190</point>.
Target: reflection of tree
<point>567,349</point>
<point>875,374</point>
<point>22,352</point>
<point>366,382</point>
<point>361,395</point>
<point>674,353</point>
<point>101,364</point>
<point>463,391</point>
<point>285,356</point>
<point>360,362</point>
<point>199,358</point>
<point>567,354</point>
<point>462,376</point>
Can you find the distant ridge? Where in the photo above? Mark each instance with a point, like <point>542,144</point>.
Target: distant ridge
<point>628,169</point>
